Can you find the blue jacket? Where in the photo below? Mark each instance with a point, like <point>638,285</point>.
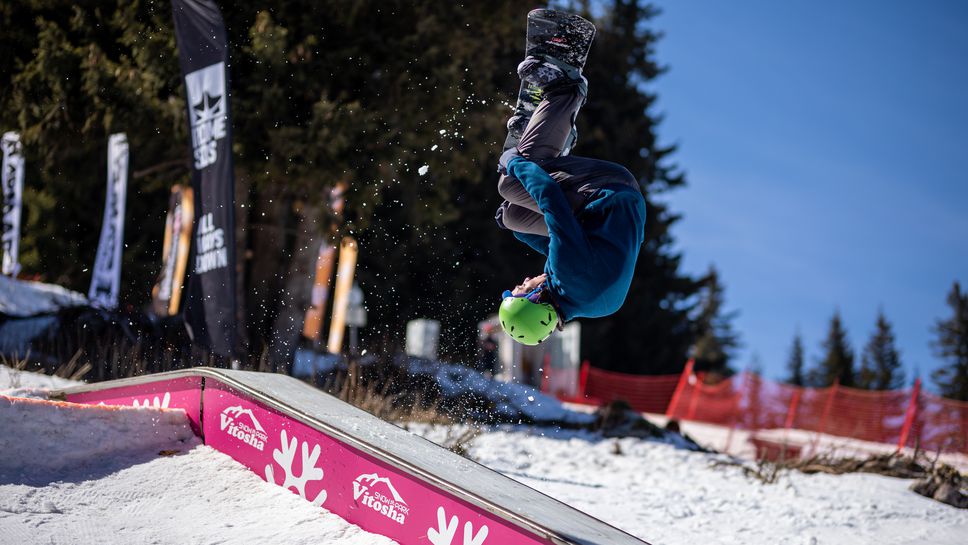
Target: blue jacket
<point>592,253</point>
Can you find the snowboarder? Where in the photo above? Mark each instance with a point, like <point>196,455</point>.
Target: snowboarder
<point>586,216</point>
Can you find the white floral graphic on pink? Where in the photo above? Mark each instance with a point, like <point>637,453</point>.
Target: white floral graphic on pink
<point>156,403</point>
<point>444,533</point>
<point>310,472</point>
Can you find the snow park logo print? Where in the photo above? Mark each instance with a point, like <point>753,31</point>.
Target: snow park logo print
<point>393,507</point>
<point>209,114</point>
<point>251,433</point>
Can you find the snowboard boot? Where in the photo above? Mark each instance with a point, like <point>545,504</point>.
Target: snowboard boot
<point>539,75</point>
<point>546,72</point>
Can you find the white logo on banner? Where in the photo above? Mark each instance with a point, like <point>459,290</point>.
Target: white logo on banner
<point>209,114</point>
<point>286,459</point>
<point>444,533</point>
<point>106,281</point>
<point>394,508</point>
<point>210,249</point>
<point>252,434</point>
<point>13,187</point>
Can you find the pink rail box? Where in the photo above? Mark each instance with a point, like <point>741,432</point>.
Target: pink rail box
<point>372,494</point>
<point>371,473</point>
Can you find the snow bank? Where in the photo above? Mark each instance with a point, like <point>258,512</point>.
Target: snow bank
<point>507,401</point>
<point>41,437</point>
<point>23,298</point>
<point>16,335</point>
<point>16,383</point>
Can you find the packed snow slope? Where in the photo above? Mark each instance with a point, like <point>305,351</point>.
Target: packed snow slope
<point>671,496</point>
<point>77,474</point>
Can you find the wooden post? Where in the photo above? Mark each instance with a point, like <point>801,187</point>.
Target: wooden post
<point>325,263</point>
<point>341,297</point>
<point>683,382</point>
<point>910,414</point>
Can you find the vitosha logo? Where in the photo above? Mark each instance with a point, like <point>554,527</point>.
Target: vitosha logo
<point>250,433</point>
<point>209,114</point>
<point>393,507</point>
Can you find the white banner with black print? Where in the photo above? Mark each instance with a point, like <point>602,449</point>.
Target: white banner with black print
<point>106,281</point>
<point>13,188</point>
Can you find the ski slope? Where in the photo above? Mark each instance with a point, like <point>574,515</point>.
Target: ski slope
<point>98,477</point>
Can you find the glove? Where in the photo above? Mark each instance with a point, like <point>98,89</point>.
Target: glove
<point>506,157</point>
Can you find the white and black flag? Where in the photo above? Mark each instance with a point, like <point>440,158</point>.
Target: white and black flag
<point>106,281</point>
<point>203,54</point>
<point>13,188</point>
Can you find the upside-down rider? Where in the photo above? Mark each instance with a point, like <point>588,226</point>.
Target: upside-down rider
<point>586,216</point>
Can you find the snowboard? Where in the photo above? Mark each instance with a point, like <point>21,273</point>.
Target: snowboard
<point>562,39</point>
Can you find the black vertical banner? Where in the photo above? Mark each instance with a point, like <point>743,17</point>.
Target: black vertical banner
<point>204,59</point>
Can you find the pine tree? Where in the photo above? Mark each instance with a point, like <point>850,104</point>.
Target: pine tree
<point>72,74</point>
<point>717,341</point>
<point>795,363</point>
<point>881,363</point>
<point>837,364</point>
<point>653,332</point>
<point>951,345</point>
<point>323,92</point>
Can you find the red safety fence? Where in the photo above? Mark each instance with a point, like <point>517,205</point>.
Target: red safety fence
<point>647,394</point>
<point>747,401</point>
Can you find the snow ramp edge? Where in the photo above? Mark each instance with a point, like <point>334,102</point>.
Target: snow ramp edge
<point>369,472</point>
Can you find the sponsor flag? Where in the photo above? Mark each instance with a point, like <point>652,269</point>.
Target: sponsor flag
<point>13,188</point>
<point>166,295</point>
<point>341,298</point>
<point>210,309</point>
<point>106,281</point>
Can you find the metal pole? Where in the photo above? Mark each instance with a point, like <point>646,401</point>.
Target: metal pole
<point>910,414</point>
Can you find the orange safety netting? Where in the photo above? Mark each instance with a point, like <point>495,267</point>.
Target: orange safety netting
<point>648,396</point>
<point>747,401</point>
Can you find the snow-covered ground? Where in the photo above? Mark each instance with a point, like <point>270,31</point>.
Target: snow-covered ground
<point>737,442</point>
<point>124,491</point>
<point>667,495</point>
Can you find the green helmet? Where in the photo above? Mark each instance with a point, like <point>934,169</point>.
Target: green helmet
<point>526,322</point>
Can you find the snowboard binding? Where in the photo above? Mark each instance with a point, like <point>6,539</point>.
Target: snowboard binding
<point>556,50</point>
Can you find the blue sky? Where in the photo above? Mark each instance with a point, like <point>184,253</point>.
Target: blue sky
<point>826,149</point>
